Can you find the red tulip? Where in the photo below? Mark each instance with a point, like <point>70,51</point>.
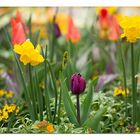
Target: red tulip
<point>115,30</point>
<point>108,26</point>
<point>18,33</point>
<point>73,34</point>
<point>104,19</point>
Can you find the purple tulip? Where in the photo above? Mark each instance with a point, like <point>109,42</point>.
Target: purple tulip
<point>57,31</point>
<point>77,84</point>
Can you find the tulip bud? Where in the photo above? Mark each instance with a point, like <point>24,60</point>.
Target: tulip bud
<point>77,84</point>
<point>57,31</point>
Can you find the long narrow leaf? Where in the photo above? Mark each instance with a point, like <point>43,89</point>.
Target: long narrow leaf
<point>85,107</point>
<point>94,122</point>
<point>22,78</point>
<point>69,107</point>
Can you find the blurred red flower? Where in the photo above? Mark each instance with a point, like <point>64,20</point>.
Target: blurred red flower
<point>108,25</point>
<point>115,30</point>
<point>104,19</point>
<point>17,27</point>
<point>73,34</point>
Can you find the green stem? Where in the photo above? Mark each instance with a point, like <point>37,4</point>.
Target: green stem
<point>47,100</point>
<point>59,107</point>
<point>124,78</point>
<point>32,92</point>
<point>78,108</point>
<point>55,89</point>
<point>39,97</point>
<point>30,28</point>
<point>134,101</point>
<point>53,38</point>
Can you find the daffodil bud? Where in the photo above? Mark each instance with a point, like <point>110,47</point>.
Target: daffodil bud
<point>77,84</point>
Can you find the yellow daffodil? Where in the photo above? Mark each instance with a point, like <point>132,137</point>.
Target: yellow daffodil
<point>29,54</point>
<point>131,28</point>
<point>120,91</point>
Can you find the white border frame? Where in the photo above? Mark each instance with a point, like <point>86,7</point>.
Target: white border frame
<point>79,3</point>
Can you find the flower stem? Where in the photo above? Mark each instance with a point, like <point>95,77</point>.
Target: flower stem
<point>55,89</point>
<point>46,94</point>
<point>59,107</point>
<point>134,102</point>
<point>39,96</point>
<point>124,76</point>
<point>32,91</point>
<point>53,38</point>
<point>78,108</point>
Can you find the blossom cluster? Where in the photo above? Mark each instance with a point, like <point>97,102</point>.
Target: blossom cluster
<point>7,110</point>
<point>118,91</point>
<point>6,93</point>
<point>44,125</point>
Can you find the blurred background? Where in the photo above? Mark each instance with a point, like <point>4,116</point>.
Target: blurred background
<point>85,19</point>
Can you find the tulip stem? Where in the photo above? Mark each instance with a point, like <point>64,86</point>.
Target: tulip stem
<point>134,101</point>
<point>78,108</point>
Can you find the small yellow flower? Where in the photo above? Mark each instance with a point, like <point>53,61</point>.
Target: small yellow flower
<point>131,28</point>
<point>29,54</point>
<point>2,93</point>
<point>137,130</point>
<point>10,108</point>
<point>120,91</point>
<point>5,115</point>
<point>9,94</point>
<point>17,110</point>
<point>6,108</point>
<point>50,128</point>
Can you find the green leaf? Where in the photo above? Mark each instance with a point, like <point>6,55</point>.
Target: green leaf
<point>69,107</point>
<point>36,37</point>
<point>94,122</point>
<point>85,107</point>
<point>22,77</point>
